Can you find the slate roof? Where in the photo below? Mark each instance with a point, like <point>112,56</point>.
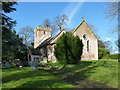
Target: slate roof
<point>35,52</point>
<point>46,42</point>
<point>50,39</point>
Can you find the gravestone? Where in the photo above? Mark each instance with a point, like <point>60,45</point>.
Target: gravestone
<point>34,65</point>
<point>30,63</point>
<point>7,65</point>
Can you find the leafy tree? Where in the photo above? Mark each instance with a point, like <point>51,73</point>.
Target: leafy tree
<point>7,22</point>
<point>68,49</point>
<point>12,44</point>
<point>102,52</point>
<point>7,25</point>
<point>101,44</point>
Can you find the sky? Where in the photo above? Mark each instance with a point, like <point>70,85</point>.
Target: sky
<point>33,14</point>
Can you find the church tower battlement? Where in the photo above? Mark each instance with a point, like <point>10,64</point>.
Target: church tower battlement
<point>41,34</point>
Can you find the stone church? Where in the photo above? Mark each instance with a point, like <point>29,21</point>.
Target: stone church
<point>45,43</point>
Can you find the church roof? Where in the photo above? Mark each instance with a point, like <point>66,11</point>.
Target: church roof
<point>87,26</point>
<point>35,52</point>
<point>51,39</point>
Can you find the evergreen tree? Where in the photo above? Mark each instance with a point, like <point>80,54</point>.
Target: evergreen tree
<point>12,44</point>
<point>68,49</point>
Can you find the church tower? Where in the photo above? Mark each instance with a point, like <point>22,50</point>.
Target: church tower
<point>41,34</point>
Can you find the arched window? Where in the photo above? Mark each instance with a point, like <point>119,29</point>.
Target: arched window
<point>84,36</point>
<point>88,45</point>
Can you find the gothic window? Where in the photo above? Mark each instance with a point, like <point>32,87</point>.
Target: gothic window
<point>84,36</point>
<point>88,45</point>
<point>44,32</point>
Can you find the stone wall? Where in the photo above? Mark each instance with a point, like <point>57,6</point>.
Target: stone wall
<point>40,34</point>
<point>82,31</point>
<point>90,42</point>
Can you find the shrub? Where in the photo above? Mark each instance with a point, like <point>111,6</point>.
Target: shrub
<point>102,52</point>
<point>68,49</point>
<point>110,56</point>
<point>107,56</point>
<point>114,56</point>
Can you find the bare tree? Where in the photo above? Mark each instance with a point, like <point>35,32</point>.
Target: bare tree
<point>58,24</point>
<point>112,10</point>
<point>47,23</point>
<point>108,45</point>
<point>61,22</point>
<point>27,34</point>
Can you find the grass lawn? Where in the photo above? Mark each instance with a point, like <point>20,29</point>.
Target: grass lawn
<point>90,74</point>
<point>26,78</point>
<point>87,74</point>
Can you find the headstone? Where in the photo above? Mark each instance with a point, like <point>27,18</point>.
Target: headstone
<point>30,63</point>
<point>34,65</point>
<point>7,65</point>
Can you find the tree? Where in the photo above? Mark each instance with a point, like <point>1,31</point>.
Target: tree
<point>61,22</point>
<point>112,10</point>
<point>47,23</point>
<point>7,25</point>
<point>102,53</point>
<point>27,34</point>
<point>7,22</point>
<point>68,49</point>
<point>12,44</point>
<point>101,44</point>
<point>108,45</point>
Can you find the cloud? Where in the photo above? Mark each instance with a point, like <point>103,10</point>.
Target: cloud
<point>71,10</point>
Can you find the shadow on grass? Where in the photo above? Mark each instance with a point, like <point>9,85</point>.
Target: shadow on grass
<point>44,80</point>
<point>41,84</point>
<point>80,78</point>
<point>20,74</point>
<point>77,75</point>
<point>74,68</point>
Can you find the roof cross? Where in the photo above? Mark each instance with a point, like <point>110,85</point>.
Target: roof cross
<point>82,18</point>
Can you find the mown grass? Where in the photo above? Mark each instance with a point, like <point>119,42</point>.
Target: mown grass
<point>86,74</point>
<point>27,78</point>
<point>90,74</point>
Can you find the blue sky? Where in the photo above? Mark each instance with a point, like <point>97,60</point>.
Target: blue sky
<point>33,13</point>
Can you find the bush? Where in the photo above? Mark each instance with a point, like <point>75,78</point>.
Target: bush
<point>114,56</point>
<point>106,56</point>
<point>110,56</point>
<point>68,49</point>
<point>102,52</point>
